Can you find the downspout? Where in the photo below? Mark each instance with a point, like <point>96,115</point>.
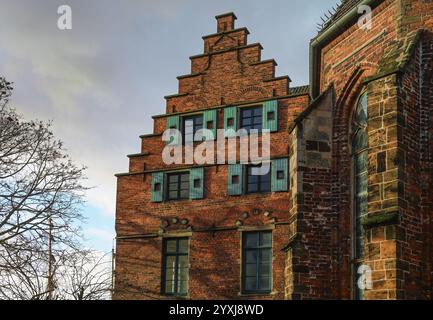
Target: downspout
<point>317,43</point>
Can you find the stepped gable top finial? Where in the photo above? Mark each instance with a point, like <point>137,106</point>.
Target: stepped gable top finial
<point>225,22</point>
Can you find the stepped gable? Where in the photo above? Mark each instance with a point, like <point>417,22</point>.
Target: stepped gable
<point>229,71</point>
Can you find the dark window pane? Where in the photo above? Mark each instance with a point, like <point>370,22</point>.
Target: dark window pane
<point>280,175</point>
<point>235,179</point>
<point>173,186</point>
<point>246,113</point>
<point>253,188</point>
<point>257,112</point>
<point>173,178</point>
<point>184,194</point>
<point>171,246</point>
<point>251,239</point>
<point>265,255</point>
<point>265,269</point>
<point>265,186</point>
<point>183,246</point>
<point>250,283</point>
<point>264,283</point>
<point>271,115</point>
<point>266,239</point>
<point>157,187</point>
<point>246,122</point>
<point>251,270</point>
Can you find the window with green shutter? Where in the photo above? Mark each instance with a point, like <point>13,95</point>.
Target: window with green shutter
<point>230,121</point>
<point>235,180</point>
<point>280,175</point>
<point>210,123</point>
<point>157,193</point>
<point>173,122</point>
<point>178,186</point>
<point>270,116</point>
<point>196,183</point>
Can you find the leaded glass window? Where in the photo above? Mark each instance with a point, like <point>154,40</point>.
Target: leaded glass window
<point>360,164</point>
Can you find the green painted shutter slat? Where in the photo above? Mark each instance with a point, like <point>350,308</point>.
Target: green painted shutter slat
<point>279,185</point>
<point>173,122</point>
<point>210,115</point>
<point>196,192</point>
<point>270,124</point>
<point>157,195</point>
<point>230,112</point>
<point>235,170</point>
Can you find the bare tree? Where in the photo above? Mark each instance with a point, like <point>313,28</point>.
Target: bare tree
<point>86,276</point>
<point>41,194</point>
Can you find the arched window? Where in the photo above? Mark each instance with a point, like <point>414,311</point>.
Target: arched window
<point>360,193</point>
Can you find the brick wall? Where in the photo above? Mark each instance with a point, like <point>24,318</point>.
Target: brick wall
<point>230,72</point>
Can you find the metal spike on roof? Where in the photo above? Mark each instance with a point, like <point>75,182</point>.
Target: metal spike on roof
<point>329,15</point>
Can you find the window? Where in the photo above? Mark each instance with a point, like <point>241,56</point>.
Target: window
<point>197,183</point>
<point>252,118</point>
<point>271,115</point>
<point>191,125</point>
<point>256,182</point>
<point>175,267</point>
<point>257,262</point>
<point>280,175</point>
<point>209,125</point>
<point>360,164</point>
<point>235,179</point>
<point>230,122</point>
<point>157,187</point>
<point>178,186</point>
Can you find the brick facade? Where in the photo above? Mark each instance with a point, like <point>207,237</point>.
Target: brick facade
<point>312,222</point>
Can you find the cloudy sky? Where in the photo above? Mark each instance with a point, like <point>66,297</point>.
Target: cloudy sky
<point>102,81</point>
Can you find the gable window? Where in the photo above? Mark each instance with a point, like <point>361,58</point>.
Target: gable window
<point>175,267</point>
<point>360,192</point>
<point>191,125</point>
<point>252,119</point>
<point>256,182</point>
<point>257,262</point>
<point>178,186</point>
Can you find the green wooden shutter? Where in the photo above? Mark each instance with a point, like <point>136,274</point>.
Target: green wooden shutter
<point>270,107</point>
<point>196,183</point>
<point>235,189</point>
<point>173,122</point>
<point>230,113</point>
<point>280,169</point>
<point>210,115</point>
<point>157,195</point>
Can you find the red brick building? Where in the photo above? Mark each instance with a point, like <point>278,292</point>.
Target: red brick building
<point>349,192</point>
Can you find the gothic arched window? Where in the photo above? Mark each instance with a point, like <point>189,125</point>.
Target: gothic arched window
<point>360,170</point>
